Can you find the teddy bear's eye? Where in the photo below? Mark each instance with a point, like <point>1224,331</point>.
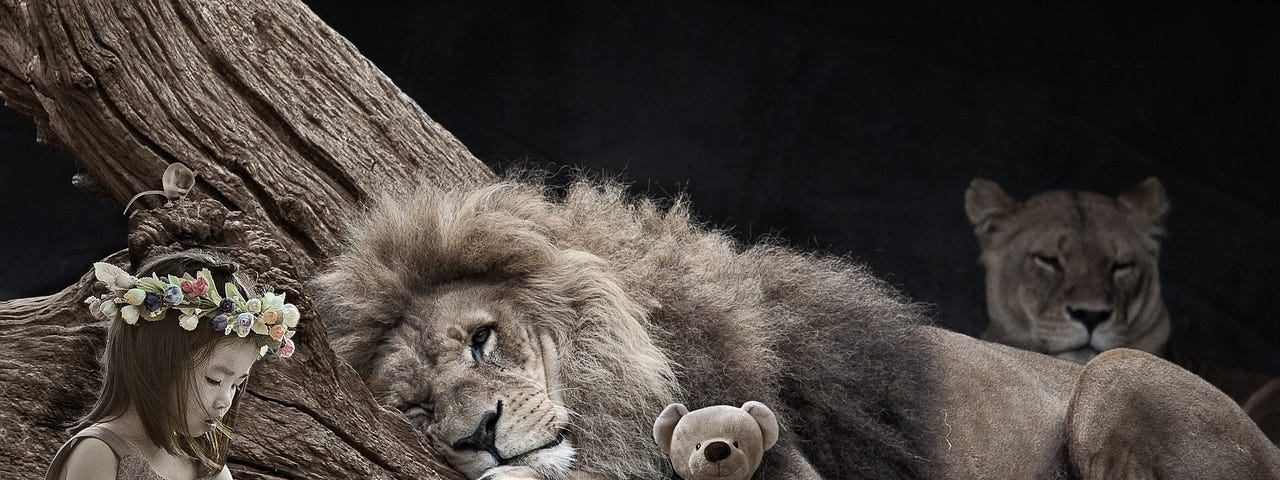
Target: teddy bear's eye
<point>735,444</point>
<point>697,447</point>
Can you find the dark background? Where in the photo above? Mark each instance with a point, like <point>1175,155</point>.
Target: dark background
<point>851,129</point>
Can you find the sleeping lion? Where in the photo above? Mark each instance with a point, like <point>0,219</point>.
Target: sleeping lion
<point>530,335</point>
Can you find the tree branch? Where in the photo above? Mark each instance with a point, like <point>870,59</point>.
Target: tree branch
<point>288,128</point>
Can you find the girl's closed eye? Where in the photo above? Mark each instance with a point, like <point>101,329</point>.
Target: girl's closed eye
<point>202,372</point>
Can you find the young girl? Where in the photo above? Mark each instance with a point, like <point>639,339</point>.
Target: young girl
<point>178,354</point>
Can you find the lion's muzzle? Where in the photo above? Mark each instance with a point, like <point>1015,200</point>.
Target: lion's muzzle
<point>1090,317</point>
<point>484,436</point>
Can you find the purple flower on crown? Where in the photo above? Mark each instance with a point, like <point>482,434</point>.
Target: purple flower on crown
<point>173,295</point>
<point>152,302</point>
<point>226,305</point>
<point>245,320</point>
<point>220,323</point>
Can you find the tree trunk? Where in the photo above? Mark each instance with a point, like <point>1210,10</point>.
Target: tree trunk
<point>288,127</point>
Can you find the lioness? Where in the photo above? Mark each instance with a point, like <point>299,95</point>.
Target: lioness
<point>530,336</point>
<point>1072,274</point>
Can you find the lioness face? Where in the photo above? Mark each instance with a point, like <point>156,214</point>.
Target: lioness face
<point>470,373</point>
<point>1072,274</point>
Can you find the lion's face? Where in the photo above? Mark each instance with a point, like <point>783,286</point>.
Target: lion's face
<point>470,373</point>
<point>1072,274</point>
<point>461,310</point>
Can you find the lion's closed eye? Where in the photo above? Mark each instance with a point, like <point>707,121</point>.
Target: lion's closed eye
<point>418,412</point>
<point>1072,273</point>
<point>1121,268</point>
<point>1048,262</point>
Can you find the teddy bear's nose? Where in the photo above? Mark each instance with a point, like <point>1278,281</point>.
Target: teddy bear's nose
<point>716,451</point>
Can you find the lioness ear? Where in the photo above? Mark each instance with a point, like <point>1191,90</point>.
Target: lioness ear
<point>665,425</point>
<point>767,420</point>
<point>1147,199</point>
<point>987,204</point>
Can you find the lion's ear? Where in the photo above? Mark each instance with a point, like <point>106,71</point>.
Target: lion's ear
<point>665,425</point>
<point>767,420</point>
<point>1147,199</point>
<point>987,204</point>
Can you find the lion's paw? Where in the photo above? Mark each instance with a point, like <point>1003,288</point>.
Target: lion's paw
<point>511,473</point>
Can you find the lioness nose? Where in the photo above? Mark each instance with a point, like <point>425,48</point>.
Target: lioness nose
<point>1089,317</point>
<point>482,437</point>
<point>716,451</point>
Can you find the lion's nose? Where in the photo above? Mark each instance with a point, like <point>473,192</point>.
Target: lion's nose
<point>716,451</point>
<point>482,438</point>
<point>1089,317</point>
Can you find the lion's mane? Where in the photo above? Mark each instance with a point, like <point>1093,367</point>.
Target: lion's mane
<point>647,306</point>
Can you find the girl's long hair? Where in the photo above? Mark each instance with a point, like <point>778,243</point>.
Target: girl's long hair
<point>148,365</point>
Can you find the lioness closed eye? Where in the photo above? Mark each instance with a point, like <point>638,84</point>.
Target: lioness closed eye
<point>1072,274</point>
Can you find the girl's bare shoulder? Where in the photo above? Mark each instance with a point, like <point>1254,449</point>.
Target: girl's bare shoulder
<point>89,459</point>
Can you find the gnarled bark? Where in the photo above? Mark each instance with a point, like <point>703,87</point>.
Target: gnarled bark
<point>288,127</point>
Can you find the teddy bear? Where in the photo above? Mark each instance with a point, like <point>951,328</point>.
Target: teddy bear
<point>720,442</point>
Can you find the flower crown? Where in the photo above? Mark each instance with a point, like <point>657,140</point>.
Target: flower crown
<point>195,297</point>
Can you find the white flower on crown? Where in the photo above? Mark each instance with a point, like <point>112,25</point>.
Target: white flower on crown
<point>114,277</point>
<point>134,298</point>
<point>189,322</point>
<point>271,301</point>
<point>130,314</point>
<point>109,309</point>
<point>290,315</point>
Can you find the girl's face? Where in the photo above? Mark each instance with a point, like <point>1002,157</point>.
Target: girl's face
<point>216,381</point>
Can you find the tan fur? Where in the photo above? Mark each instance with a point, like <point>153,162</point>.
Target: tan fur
<point>1159,409</point>
<point>1013,414</point>
<point>1071,273</point>
<point>436,263</point>
<point>623,307</point>
<point>1263,406</point>
<point>1087,236</point>
<point>689,439</point>
<point>604,308</point>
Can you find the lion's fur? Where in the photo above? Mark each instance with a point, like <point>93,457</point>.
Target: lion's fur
<point>646,306</point>
<point>1066,251</point>
<point>612,306</point>
<point>1087,233</point>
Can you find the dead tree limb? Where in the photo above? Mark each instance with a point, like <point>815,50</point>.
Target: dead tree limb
<point>288,127</point>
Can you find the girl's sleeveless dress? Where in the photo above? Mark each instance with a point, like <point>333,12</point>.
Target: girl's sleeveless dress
<point>131,465</point>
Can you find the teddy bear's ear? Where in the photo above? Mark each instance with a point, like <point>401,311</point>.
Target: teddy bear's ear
<point>665,425</point>
<point>767,420</point>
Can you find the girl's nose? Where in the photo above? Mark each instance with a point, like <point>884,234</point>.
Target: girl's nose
<point>222,401</point>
